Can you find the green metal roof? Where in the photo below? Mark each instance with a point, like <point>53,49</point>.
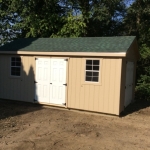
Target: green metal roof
<point>81,44</point>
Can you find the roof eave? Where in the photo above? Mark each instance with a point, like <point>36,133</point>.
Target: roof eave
<point>108,54</point>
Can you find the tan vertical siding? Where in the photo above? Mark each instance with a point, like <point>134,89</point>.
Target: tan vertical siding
<point>106,83</point>
<point>17,88</point>
<point>123,80</point>
<point>101,98</point>
<point>74,80</point>
<point>104,97</point>
<point>78,82</point>
<point>96,99</point>
<point>117,86</point>
<point>112,85</point>
<point>86,97</point>
<point>133,55</point>
<point>134,78</point>
<point>4,76</point>
<point>28,79</point>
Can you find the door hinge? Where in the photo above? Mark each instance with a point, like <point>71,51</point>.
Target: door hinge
<point>64,104</point>
<point>36,58</point>
<point>65,59</point>
<point>65,84</point>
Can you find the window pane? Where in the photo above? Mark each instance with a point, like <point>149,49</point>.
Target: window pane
<point>96,74</point>
<point>95,67</point>
<point>95,62</point>
<point>17,74</point>
<point>18,69</point>
<point>12,72</point>
<point>18,64</point>
<point>13,63</point>
<point>13,68</point>
<point>95,79</point>
<point>88,73</point>
<point>88,67</point>
<point>18,59</point>
<point>88,62</point>
<point>92,70</point>
<point>13,59</point>
<point>88,78</point>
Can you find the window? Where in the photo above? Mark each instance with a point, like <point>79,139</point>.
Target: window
<point>15,66</point>
<point>92,70</point>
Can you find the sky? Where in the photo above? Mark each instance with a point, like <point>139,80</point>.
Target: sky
<point>129,2</point>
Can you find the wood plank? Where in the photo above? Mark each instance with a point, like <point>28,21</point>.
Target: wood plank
<point>73,84</point>
<point>96,98</point>
<point>31,80</point>
<point>86,97</point>
<point>25,82</point>
<point>70,82</point>
<point>78,82</point>
<point>106,85</point>
<point>91,98</point>
<point>112,81</point>
<point>117,86</point>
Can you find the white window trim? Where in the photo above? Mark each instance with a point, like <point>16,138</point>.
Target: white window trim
<point>84,72</point>
<point>92,70</point>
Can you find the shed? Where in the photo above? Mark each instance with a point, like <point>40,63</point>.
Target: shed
<point>86,73</point>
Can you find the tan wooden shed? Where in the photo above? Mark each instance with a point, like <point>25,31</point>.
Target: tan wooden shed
<point>90,73</point>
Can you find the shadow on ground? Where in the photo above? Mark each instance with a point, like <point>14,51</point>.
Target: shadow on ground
<point>135,107</point>
<point>10,108</point>
<point>14,108</point>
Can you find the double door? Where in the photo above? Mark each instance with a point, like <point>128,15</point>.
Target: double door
<point>50,80</point>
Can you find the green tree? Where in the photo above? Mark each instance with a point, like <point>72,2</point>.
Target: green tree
<point>30,18</point>
<point>67,18</point>
<point>7,19</point>
<point>74,27</point>
<point>97,17</point>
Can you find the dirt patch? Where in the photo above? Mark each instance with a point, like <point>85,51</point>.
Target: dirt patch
<point>29,126</point>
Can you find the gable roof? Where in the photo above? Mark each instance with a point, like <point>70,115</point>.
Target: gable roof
<point>81,44</point>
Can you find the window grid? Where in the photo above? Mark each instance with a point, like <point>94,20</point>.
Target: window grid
<point>15,66</point>
<point>92,70</point>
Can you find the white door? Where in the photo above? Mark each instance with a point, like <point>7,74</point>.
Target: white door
<point>58,81</point>
<point>129,83</point>
<point>42,80</point>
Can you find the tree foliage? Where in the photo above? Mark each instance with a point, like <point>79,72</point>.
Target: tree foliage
<point>74,27</point>
<point>30,18</point>
<point>45,18</point>
<point>7,19</point>
<point>99,16</point>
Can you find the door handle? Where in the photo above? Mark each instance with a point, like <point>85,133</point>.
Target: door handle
<point>50,83</point>
<point>65,84</point>
<point>35,82</point>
